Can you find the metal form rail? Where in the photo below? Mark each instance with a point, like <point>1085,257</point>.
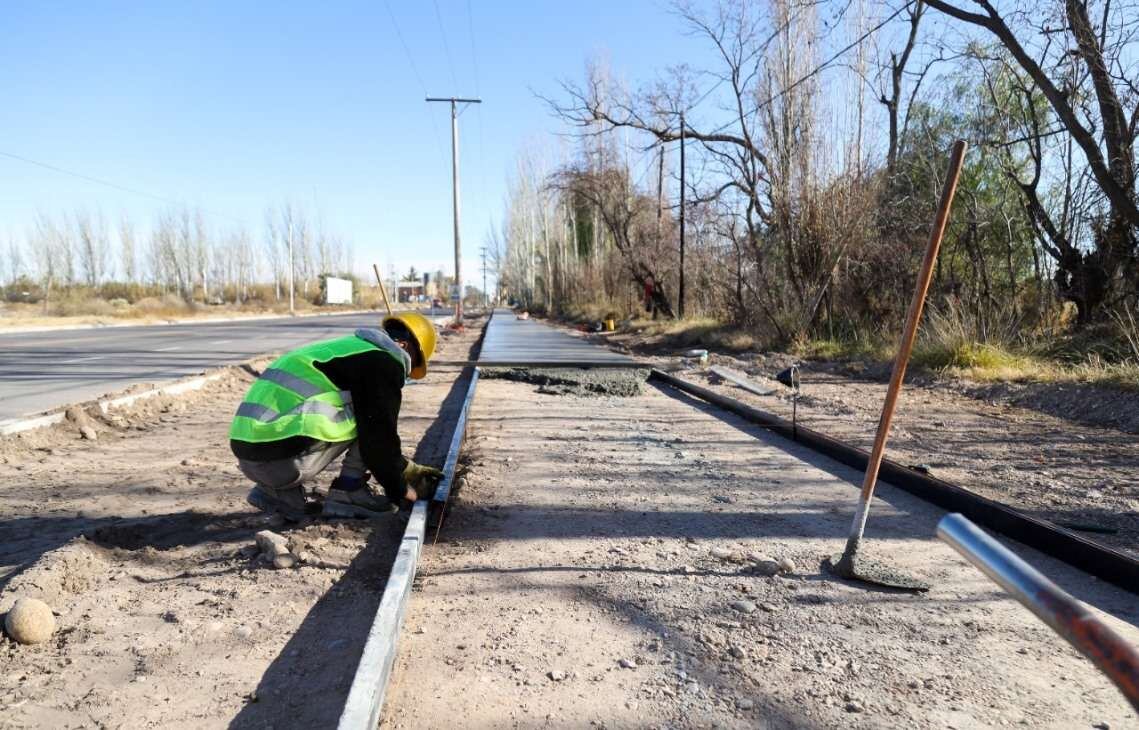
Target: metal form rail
<point>1091,557</point>
<point>366,696</point>
<point>1068,617</point>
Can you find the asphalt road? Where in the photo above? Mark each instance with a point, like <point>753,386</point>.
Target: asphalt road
<point>45,370</point>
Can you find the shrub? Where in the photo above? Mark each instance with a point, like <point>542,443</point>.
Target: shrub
<point>23,290</point>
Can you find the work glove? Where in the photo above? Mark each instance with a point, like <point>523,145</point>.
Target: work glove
<point>417,475</point>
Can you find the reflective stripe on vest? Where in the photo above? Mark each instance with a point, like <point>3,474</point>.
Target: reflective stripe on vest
<point>292,397</point>
<point>264,414</point>
<point>301,387</point>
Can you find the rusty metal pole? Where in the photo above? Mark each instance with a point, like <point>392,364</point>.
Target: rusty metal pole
<point>1068,617</point>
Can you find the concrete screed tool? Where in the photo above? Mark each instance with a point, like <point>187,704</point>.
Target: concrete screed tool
<point>850,564</point>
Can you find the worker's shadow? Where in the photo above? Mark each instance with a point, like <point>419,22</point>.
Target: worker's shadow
<point>308,682</point>
<point>24,540</point>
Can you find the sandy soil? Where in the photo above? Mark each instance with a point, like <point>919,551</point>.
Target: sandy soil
<point>1004,442</point>
<point>596,570</point>
<point>141,541</point>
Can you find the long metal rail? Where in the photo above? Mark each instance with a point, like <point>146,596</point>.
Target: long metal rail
<point>366,696</point>
<point>1091,557</point>
<point>1069,618</point>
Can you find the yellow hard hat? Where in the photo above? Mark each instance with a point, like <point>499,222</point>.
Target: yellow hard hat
<point>423,332</point>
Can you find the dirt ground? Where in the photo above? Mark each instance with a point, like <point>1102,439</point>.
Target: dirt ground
<point>604,566</point>
<point>605,563</point>
<point>142,544</point>
<point>1068,454</point>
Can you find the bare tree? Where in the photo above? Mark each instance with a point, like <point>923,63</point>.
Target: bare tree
<point>272,249</point>
<point>128,248</point>
<point>51,245</point>
<point>14,261</point>
<point>91,233</point>
<point>892,98</point>
<point>1080,57</point>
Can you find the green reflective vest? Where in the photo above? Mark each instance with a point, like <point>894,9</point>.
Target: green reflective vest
<point>293,398</point>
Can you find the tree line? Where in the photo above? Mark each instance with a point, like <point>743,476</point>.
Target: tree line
<point>816,145</point>
<point>179,253</point>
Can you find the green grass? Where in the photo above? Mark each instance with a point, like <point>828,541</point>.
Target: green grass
<point>842,350</point>
<point>969,356</point>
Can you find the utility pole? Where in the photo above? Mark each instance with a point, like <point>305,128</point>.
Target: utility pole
<point>485,296</point>
<point>680,303</point>
<point>291,310</point>
<point>458,285</point>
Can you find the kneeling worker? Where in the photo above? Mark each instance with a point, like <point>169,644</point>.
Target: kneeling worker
<point>329,398</point>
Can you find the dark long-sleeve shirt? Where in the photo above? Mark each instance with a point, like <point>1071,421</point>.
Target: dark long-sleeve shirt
<point>375,381</point>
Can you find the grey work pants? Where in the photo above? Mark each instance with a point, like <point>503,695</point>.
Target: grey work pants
<point>296,470</point>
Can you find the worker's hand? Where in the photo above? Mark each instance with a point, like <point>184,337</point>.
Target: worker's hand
<point>410,495</point>
<point>417,475</point>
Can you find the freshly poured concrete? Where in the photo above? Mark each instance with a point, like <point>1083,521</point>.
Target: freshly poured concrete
<point>513,341</point>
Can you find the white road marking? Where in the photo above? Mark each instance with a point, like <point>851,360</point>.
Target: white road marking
<point>220,342</point>
<point>82,359</point>
<point>168,349</point>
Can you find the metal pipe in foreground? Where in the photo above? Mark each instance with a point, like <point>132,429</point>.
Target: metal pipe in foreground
<point>1067,616</point>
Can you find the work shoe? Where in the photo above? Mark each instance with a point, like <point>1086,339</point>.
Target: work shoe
<point>353,498</point>
<point>289,502</point>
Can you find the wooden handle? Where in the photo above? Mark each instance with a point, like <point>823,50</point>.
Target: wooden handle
<point>906,346</point>
<point>383,292</point>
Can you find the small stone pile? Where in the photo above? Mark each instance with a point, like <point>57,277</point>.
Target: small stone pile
<point>755,563</point>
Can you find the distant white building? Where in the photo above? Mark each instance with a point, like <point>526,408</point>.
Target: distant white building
<point>337,291</point>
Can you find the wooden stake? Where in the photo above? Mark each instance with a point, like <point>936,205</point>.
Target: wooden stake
<point>905,347</point>
<point>383,292</point>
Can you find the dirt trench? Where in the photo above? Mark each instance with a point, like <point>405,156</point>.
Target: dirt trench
<point>141,542</point>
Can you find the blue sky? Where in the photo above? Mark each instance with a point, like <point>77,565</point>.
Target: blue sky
<point>237,106</point>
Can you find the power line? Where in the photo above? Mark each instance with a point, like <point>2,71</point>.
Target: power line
<point>706,94</point>
<point>474,56</point>
<point>406,49</point>
<point>478,109</point>
<point>446,46</point>
<point>418,77</point>
<point>114,185</point>
<point>818,69</point>
<point>791,17</point>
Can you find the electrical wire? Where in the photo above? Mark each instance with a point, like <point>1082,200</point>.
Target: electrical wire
<point>478,109</point>
<point>113,185</point>
<point>818,69</point>
<point>423,87</point>
<point>446,46</point>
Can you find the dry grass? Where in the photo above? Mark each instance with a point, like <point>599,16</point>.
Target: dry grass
<point>150,310</point>
<point>696,332</point>
<point>989,364</point>
<point>951,344</point>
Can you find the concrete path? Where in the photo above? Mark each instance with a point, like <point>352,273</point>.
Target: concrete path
<point>45,370</point>
<point>513,341</point>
